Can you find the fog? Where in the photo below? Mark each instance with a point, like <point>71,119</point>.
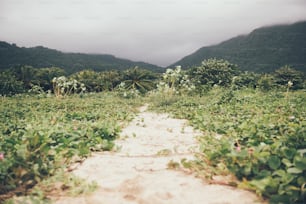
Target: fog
<point>155,31</point>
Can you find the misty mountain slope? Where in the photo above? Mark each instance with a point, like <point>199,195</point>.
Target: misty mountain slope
<point>12,55</point>
<point>263,50</point>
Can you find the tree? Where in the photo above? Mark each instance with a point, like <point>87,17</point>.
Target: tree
<point>246,79</point>
<point>98,81</point>
<point>91,79</point>
<point>26,74</point>
<point>43,77</point>
<point>9,84</point>
<point>266,82</point>
<point>286,74</point>
<point>214,72</point>
<point>139,79</point>
<point>110,79</point>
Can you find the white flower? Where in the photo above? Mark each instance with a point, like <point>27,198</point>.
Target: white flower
<point>291,117</point>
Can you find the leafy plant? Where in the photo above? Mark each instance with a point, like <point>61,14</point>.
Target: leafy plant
<point>39,136</point>
<point>175,81</point>
<point>266,82</point>
<point>62,86</point>
<point>138,79</point>
<point>214,72</point>
<point>245,80</point>
<point>9,85</point>
<point>258,136</point>
<point>285,74</point>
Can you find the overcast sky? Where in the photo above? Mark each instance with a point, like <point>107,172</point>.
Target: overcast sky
<point>155,31</point>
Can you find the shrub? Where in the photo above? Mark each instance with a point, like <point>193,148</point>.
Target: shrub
<point>62,86</point>
<point>286,74</point>
<point>266,82</point>
<point>175,81</point>
<point>246,80</point>
<point>9,85</point>
<point>214,72</point>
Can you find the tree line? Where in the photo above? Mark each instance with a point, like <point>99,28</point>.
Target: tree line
<point>198,79</point>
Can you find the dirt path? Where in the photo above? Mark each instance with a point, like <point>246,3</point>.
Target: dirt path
<point>137,172</point>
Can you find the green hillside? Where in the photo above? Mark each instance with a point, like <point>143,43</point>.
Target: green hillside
<point>263,50</point>
<point>12,55</point>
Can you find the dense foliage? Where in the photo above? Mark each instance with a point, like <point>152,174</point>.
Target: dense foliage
<point>214,72</point>
<point>175,81</point>
<point>98,81</point>
<point>40,135</point>
<point>25,78</point>
<point>259,136</point>
<point>286,74</point>
<point>141,80</point>
<point>9,84</point>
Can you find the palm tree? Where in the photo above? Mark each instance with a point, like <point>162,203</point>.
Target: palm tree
<point>139,79</point>
<point>25,74</point>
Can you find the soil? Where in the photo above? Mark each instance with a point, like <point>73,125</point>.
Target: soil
<point>138,172</point>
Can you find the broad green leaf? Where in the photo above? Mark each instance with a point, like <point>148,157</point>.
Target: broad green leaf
<point>263,156</point>
<point>280,199</point>
<point>302,151</point>
<point>22,151</point>
<point>261,184</point>
<point>279,172</point>
<point>274,162</point>
<point>301,180</point>
<point>289,153</point>
<point>287,162</point>
<point>264,173</point>
<point>300,163</point>
<point>294,170</point>
<point>284,176</point>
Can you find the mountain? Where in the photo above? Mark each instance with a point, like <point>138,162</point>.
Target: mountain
<point>263,50</point>
<point>12,55</point>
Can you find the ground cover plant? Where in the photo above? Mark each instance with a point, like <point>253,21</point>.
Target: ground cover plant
<point>41,135</point>
<point>253,124</point>
<point>258,136</point>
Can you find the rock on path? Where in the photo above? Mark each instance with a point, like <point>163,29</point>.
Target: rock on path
<point>137,172</point>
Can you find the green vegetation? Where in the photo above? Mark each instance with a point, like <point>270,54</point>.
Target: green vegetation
<point>26,78</point>
<point>141,80</point>
<point>214,72</point>
<point>258,136</point>
<point>253,125</point>
<point>263,50</point>
<point>98,81</point>
<point>40,135</point>
<point>285,74</point>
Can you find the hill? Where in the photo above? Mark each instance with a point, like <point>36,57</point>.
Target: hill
<point>12,55</point>
<point>263,50</point>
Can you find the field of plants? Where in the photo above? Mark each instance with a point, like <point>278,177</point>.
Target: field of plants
<point>258,136</point>
<point>40,135</point>
<point>254,125</point>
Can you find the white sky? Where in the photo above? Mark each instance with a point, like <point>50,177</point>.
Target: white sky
<point>155,31</point>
